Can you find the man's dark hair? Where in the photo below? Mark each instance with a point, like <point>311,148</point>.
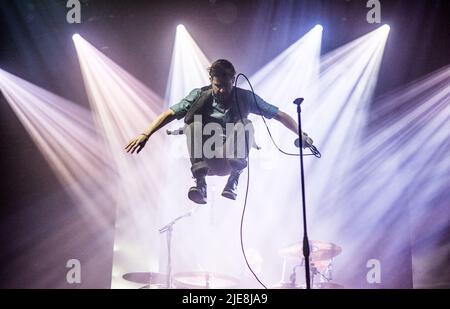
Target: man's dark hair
<point>222,69</point>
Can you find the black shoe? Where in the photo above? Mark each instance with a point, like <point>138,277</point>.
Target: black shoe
<point>197,193</point>
<point>231,187</point>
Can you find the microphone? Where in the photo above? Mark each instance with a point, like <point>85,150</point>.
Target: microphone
<point>307,141</point>
<point>298,101</point>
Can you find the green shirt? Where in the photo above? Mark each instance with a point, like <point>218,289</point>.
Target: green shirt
<point>222,114</point>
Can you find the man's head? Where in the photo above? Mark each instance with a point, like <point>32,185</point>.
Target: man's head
<point>221,75</point>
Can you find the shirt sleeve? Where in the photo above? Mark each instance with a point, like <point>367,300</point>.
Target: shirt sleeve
<point>262,108</point>
<point>181,108</point>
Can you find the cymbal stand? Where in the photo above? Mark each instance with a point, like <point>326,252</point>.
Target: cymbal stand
<point>315,271</point>
<point>293,276</point>
<point>169,228</point>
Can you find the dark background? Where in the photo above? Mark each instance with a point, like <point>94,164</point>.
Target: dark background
<point>36,45</point>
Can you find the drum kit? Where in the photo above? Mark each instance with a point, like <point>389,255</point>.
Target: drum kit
<point>150,279</point>
<point>321,265</point>
<point>321,260</point>
<point>184,280</point>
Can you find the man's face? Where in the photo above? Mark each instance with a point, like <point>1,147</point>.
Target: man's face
<point>222,87</point>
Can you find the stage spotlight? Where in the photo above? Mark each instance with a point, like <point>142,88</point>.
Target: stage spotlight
<point>123,107</point>
<point>333,115</point>
<point>318,27</point>
<point>65,134</point>
<point>187,68</point>
<point>76,36</point>
<point>399,175</point>
<point>292,73</point>
<point>386,27</point>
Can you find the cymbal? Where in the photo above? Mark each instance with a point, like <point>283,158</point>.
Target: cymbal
<point>146,277</point>
<point>319,250</point>
<point>155,286</point>
<point>203,280</point>
<point>320,285</point>
<point>320,265</point>
<point>287,285</point>
<point>327,285</point>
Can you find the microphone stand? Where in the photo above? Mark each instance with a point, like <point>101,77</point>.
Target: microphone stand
<point>306,252</point>
<point>169,228</point>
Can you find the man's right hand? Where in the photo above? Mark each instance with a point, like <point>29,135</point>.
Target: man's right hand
<point>137,143</point>
<point>307,141</point>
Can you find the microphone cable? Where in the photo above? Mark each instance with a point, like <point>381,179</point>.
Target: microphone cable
<point>248,184</point>
<point>313,149</point>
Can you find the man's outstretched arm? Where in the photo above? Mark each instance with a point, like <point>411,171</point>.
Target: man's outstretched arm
<point>140,141</point>
<point>291,124</point>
